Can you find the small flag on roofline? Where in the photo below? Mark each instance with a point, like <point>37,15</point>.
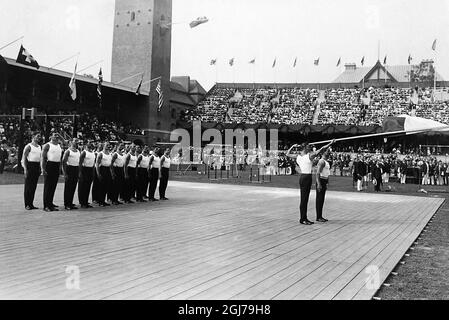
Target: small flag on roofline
<point>72,84</point>
<point>363,61</point>
<point>100,82</point>
<point>213,62</point>
<point>24,57</point>
<point>294,63</point>
<point>274,63</point>
<point>139,86</point>
<point>317,61</point>
<point>434,45</point>
<point>339,61</point>
<point>410,59</point>
<point>231,62</point>
<point>252,61</point>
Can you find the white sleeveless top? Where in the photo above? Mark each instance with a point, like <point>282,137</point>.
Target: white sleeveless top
<point>106,159</point>
<point>132,161</point>
<point>119,161</point>
<point>54,153</point>
<point>167,162</point>
<point>74,158</point>
<point>35,153</point>
<point>325,173</point>
<point>304,164</point>
<point>89,160</point>
<point>156,164</point>
<point>145,162</point>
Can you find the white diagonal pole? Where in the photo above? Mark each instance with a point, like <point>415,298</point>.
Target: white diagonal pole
<point>12,42</point>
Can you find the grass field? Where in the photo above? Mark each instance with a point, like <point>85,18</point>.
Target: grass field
<point>425,271</point>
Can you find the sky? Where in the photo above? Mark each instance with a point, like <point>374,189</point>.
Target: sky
<point>243,30</point>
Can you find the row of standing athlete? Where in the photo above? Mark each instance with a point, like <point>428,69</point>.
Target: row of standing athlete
<point>305,163</point>
<point>114,173</point>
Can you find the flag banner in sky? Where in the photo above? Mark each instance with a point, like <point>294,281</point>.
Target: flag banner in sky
<point>363,61</point>
<point>385,60</point>
<point>72,84</point>
<point>24,57</point>
<point>274,63</point>
<point>410,59</point>
<point>408,123</point>
<point>213,62</point>
<point>252,61</point>
<point>339,61</point>
<point>316,62</point>
<point>198,21</point>
<point>231,62</point>
<point>434,45</point>
<point>294,63</point>
<point>139,86</point>
<point>100,82</point>
<point>161,95</point>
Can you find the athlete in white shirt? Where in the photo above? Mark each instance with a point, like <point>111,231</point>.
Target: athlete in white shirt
<point>50,166</point>
<point>322,180</point>
<point>305,163</point>
<point>86,175</point>
<point>165,170</point>
<point>31,165</point>
<point>70,166</point>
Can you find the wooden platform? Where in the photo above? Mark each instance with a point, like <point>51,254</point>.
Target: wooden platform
<point>208,242</point>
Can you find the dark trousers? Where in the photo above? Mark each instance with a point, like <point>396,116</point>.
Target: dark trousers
<point>320,196</point>
<point>31,183</point>
<point>2,167</point>
<point>164,182</point>
<point>305,184</point>
<point>105,184</point>
<point>154,176</point>
<point>118,181</point>
<point>71,180</point>
<point>50,182</point>
<point>95,187</point>
<point>84,184</point>
<point>142,183</point>
<point>130,184</point>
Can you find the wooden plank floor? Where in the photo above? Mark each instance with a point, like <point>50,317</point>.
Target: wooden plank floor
<point>208,242</point>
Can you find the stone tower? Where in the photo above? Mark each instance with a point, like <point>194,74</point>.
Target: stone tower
<point>142,43</point>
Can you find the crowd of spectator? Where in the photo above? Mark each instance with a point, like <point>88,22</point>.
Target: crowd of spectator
<point>356,106</point>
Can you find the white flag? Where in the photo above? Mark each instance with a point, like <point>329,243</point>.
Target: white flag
<point>72,84</point>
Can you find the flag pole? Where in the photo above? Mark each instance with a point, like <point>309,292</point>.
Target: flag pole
<point>152,80</point>
<point>92,65</point>
<point>12,42</point>
<point>67,59</point>
<point>133,76</point>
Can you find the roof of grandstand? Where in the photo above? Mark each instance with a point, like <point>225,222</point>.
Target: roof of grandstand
<point>399,73</point>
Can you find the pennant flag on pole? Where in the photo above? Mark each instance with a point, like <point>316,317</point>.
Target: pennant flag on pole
<point>72,84</point>
<point>252,61</point>
<point>198,21</point>
<point>100,82</point>
<point>139,86</point>
<point>274,63</point>
<point>363,61</point>
<point>434,45</point>
<point>294,63</point>
<point>24,57</point>
<point>339,61</point>
<point>385,60</point>
<point>231,62</point>
<point>317,61</point>
<point>410,58</point>
<point>161,95</point>
<point>213,62</point>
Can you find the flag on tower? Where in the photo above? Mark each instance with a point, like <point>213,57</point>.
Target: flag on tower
<point>363,61</point>
<point>161,95</point>
<point>339,61</point>
<point>294,63</point>
<point>410,58</point>
<point>24,57</point>
<point>434,45</point>
<point>231,62</point>
<point>274,63</point>
<point>252,61</point>
<point>72,84</point>
<point>213,62</point>
<point>385,60</point>
<point>317,61</point>
<point>198,21</point>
